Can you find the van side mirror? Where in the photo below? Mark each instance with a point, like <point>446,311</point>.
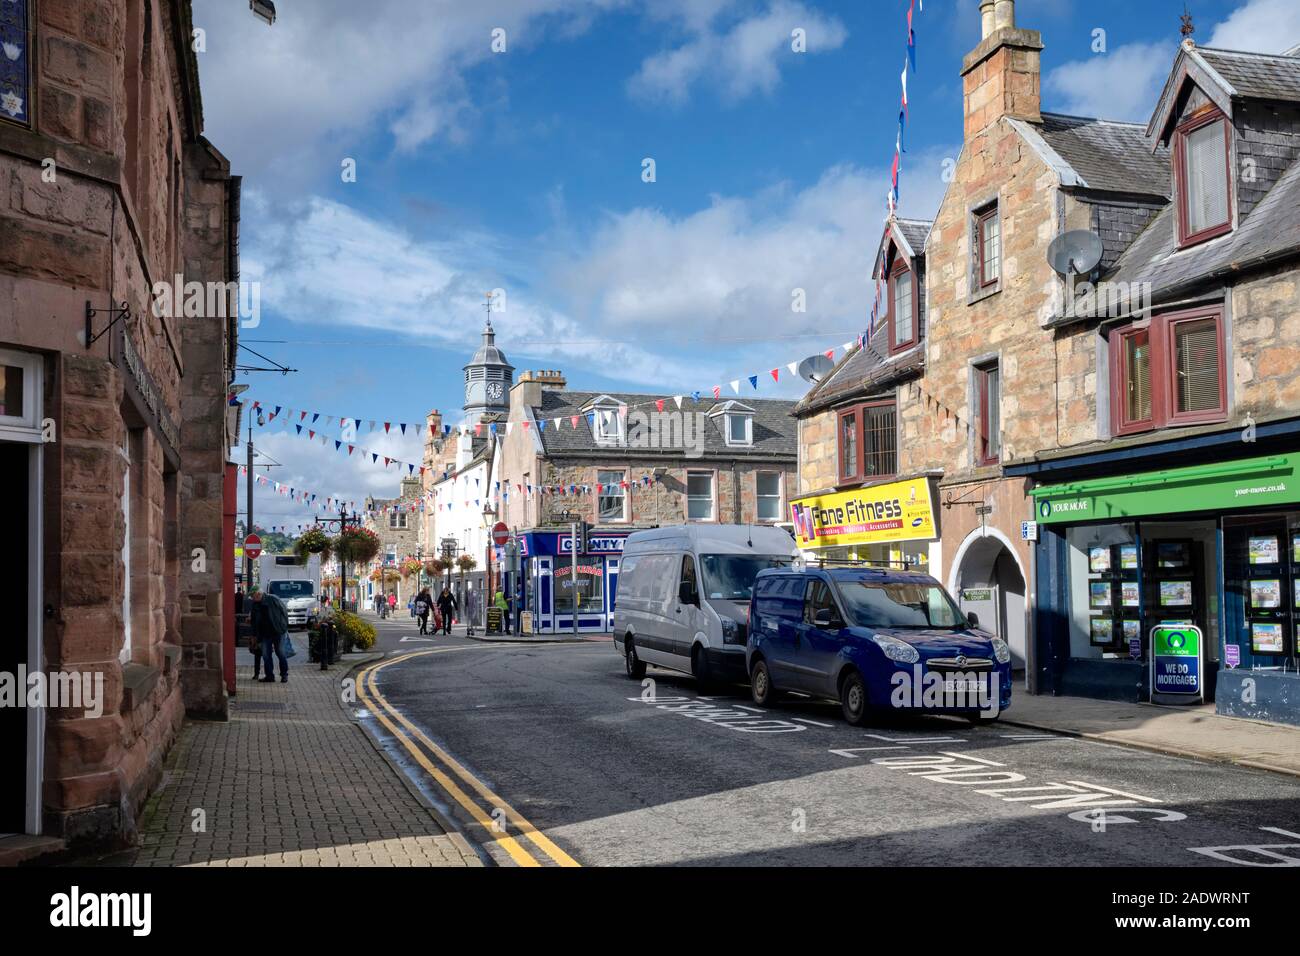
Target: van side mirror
<point>826,619</point>
<point>686,594</point>
<point>972,619</point>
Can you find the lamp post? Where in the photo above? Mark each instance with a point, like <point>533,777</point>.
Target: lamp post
<point>489,519</point>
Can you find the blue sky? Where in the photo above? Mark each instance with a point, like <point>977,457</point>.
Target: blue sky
<point>521,170</point>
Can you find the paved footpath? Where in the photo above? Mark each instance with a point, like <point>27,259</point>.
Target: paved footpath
<point>290,780</point>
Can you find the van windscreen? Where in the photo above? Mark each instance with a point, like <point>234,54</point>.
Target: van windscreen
<point>898,604</point>
<point>730,577</point>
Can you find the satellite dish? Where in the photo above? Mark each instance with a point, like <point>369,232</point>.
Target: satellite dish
<point>1076,252</point>
<point>815,368</point>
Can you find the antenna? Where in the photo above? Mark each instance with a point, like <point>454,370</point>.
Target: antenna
<point>815,368</point>
<point>1075,252</point>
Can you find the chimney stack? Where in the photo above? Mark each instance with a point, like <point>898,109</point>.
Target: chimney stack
<point>1000,77</point>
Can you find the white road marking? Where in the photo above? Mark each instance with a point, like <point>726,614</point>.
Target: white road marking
<point>852,751</point>
<point>756,710</point>
<point>1118,793</point>
<point>1031,737</point>
<point>815,723</point>
<point>1271,851</point>
<point>915,740</point>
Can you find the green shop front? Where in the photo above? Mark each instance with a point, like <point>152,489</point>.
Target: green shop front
<point>1127,565</point>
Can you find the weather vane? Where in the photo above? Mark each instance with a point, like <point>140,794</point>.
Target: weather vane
<point>1188,28</point>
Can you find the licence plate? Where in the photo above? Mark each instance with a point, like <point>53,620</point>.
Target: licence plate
<point>955,686</point>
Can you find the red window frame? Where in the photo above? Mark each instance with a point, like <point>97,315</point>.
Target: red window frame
<point>859,415</point>
<point>982,455</point>
<point>980,218</point>
<point>900,267</point>
<point>1181,132</point>
<point>1161,332</point>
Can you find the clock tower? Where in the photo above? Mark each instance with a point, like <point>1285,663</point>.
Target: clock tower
<point>488,379</point>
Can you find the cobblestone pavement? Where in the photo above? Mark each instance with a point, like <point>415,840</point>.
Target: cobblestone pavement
<point>288,781</point>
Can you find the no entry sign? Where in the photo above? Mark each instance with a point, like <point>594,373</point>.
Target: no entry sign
<point>252,547</point>
<point>500,533</point>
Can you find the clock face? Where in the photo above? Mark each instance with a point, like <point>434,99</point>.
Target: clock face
<point>494,391</point>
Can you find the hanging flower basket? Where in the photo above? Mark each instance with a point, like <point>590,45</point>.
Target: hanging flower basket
<point>313,541</point>
<point>435,567</point>
<point>356,544</point>
<point>411,566</point>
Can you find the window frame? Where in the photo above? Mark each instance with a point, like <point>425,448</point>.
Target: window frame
<point>859,431</point>
<point>1199,120</point>
<point>713,494</point>
<point>748,421</point>
<point>623,517</point>
<point>1161,332</point>
<point>901,266</point>
<point>607,430</point>
<point>981,372</point>
<point>759,496</point>
<point>982,215</point>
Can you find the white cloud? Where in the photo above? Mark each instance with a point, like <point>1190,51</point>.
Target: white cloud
<point>1262,26</point>
<point>1121,85</point>
<point>740,60</point>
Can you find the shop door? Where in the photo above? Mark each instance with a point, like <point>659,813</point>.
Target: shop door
<point>1175,570</point>
<point>15,652</point>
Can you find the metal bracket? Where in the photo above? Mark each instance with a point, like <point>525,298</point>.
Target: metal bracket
<point>118,314</point>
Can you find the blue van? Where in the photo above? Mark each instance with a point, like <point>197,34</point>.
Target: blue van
<point>875,640</point>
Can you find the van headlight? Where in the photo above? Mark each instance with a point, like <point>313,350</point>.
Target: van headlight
<point>896,650</point>
<point>732,633</point>
<point>1001,650</point>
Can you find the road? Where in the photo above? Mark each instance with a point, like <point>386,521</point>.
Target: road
<point>613,772</point>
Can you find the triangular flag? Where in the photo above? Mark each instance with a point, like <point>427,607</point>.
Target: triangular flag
<point>677,399</point>
<point>753,381</point>
<point>735,385</point>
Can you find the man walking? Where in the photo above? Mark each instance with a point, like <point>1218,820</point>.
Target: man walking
<point>270,620</point>
<point>446,606</point>
<point>423,605</point>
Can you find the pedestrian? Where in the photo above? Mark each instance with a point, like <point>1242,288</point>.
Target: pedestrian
<point>423,604</point>
<point>504,606</point>
<point>446,607</point>
<point>392,602</point>
<point>271,625</point>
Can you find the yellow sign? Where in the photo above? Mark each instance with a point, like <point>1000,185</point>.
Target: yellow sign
<point>898,511</point>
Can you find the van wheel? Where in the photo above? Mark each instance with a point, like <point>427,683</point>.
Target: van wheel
<point>760,685</point>
<point>853,698</point>
<point>700,667</point>
<point>635,666</point>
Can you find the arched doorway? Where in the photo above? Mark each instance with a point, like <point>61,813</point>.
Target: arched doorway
<point>988,580</point>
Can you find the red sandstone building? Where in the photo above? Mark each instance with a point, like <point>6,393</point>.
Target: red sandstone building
<point>114,451</point>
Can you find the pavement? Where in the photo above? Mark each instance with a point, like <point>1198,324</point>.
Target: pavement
<point>556,742</point>
<point>290,780</point>
<point>1188,731</point>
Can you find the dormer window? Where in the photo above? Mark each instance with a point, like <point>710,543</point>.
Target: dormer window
<point>1203,177</point>
<point>903,318</point>
<point>606,422</point>
<point>740,429</point>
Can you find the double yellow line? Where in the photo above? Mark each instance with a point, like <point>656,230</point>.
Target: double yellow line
<point>413,739</point>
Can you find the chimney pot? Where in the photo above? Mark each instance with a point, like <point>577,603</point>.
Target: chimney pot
<point>1004,15</point>
<point>986,17</point>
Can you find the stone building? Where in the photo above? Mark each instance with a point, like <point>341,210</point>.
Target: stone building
<point>114,444</point>
<point>397,523</point>
<point>621,461</point>
<point>1139,404</point>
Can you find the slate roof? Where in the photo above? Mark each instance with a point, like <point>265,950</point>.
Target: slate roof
<point>1272,228</point>
<point>1258,75</point>
<point>915,231</point>
<point>775,431</point>
<point>862,372</point>
<point>1107,155</point>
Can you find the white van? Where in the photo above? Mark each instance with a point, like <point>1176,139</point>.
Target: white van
<point>683,596</point>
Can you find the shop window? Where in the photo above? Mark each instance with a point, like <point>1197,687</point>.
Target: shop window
<point>988,394</point>
<point>868,441</point>
<point>1169,371</point>
<point>613,500</point>
<point>768,495</point>
<point>987,248</point>
<point>699,496</point>
<point>583,592</point>
<point>1203,177</point>
<point>903,317</point>
<point>1261,574</point>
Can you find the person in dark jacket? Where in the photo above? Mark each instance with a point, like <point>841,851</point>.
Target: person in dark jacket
<point>271,624</point>
<point>423,605</point>
<point>446,607</point>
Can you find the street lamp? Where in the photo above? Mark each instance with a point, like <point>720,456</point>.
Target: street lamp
<point>489,519</point>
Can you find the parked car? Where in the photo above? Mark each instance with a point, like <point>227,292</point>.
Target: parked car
<point>684,596</point>
<point>874,640</point>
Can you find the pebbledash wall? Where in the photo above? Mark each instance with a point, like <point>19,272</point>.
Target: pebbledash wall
<point>107,186</point>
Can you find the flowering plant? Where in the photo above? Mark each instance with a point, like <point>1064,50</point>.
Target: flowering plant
<point>355,543</point>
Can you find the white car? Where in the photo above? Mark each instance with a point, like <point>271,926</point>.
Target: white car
<point>683,596</point>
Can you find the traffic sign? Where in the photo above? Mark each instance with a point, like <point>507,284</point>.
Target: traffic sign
<point>252,547</point>
<point>500,533</point>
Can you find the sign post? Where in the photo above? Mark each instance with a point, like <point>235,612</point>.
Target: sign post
<point>1177,655</point>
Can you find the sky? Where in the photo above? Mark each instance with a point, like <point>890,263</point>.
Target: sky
<point>502,144</point>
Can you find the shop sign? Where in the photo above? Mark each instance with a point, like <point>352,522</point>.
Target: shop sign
<point>596,544</point>
<point>897,511</point>
<point>1232,655</point>
<point>1029,530</point>
<point>1248,483</point>
<point>1176,660</point>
